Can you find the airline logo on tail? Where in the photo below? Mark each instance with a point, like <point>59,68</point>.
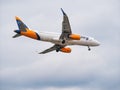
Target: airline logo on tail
<point>24,30</point>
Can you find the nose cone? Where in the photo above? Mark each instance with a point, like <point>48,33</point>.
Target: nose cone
<point>96,43</point>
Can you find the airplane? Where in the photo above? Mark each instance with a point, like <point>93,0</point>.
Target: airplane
<point>60,41</point>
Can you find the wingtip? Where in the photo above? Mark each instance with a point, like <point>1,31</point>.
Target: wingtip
<point>63,11</point>
<point>40,53</point>
<point>17,18</point>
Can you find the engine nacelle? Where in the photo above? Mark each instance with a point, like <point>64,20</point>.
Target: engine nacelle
<point>66,50</point>
<point>74,36</point>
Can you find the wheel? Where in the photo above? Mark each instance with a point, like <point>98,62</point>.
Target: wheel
<point>58,49</point>
<point>89,48</point>
<point>63,41</point>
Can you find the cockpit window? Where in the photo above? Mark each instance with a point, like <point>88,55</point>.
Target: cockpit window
<point>85,38</point>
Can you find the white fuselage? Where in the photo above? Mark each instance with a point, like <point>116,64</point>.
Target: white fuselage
<point>54,38</point>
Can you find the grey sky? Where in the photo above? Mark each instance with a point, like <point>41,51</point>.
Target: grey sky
<point>21,68</point>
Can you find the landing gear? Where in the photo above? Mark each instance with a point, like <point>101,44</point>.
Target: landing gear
<point>63,41</point>
<point>89,48</point>
<point>58,49</point>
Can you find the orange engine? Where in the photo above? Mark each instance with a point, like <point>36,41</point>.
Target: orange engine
<point>74,36</point>
<point>66,50</point>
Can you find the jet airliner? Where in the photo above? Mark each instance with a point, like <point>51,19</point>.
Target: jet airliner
<point>60,41</point>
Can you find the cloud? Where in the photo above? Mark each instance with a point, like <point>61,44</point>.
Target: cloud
<point>21,68</point>
<point>86,72</point>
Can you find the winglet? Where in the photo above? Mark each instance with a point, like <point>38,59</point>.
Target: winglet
<point>63,12</point>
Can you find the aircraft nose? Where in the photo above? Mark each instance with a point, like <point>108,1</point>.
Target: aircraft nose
<point>97,43</point>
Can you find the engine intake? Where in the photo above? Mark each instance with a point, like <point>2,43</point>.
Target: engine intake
<point>74,36</point>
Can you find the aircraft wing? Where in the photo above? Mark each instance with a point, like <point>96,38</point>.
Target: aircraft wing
<point>55,47</point>
<point>66,29</point>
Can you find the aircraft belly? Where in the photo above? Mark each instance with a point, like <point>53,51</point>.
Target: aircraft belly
<point>49,38</point>
<point>78,42</point>
<point>81,42</point>
<point>43,38</point>
<point>55,40</point>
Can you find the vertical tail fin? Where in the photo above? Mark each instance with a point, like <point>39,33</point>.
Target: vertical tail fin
<point>24,30</point>
<point>21,25</point>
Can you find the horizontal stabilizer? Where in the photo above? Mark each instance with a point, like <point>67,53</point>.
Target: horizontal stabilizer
<point>16,35</point>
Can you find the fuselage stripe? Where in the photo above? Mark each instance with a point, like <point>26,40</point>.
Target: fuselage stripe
<point>38,37</point>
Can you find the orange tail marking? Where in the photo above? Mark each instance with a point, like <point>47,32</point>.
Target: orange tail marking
<point>30,34</point>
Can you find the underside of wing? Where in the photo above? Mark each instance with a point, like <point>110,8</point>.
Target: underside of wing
<point>55,47</point>
<point>48,50</point>
<point>66,29</point>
